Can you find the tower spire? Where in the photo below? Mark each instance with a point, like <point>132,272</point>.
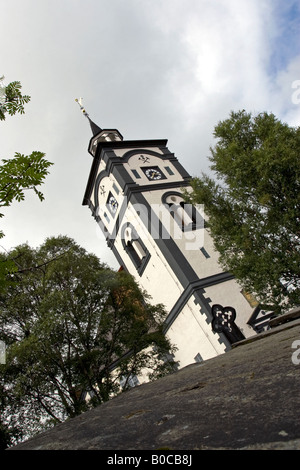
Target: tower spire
<point>95,129</point>
<point>99,135</point>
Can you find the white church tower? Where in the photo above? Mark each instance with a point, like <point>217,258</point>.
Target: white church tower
<point>134,191</point>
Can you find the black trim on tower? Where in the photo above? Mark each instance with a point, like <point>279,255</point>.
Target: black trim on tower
<point>179,264</point>
<point>193,287</point>
<point>167,246</point>
<point>105,152</point>
<point>196,219</point>
<point>140,262</point>
<point>184,272</point>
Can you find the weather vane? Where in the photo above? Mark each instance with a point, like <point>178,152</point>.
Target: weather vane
<point>79,101</point>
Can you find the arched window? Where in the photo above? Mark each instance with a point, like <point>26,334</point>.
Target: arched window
<point>134,247</point>
<point>186,215</point>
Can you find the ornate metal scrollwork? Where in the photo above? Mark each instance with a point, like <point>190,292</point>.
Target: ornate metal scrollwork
<point>224,322</point>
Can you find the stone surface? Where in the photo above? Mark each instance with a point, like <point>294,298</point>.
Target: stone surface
<point>247,398</point>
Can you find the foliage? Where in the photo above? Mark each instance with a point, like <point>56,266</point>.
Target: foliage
<point>11,99</point>
<point>20,173</point>
<point>253,204</point>
<point>73,327</point>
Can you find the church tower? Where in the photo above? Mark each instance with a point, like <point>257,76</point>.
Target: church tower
<point>135,192</point>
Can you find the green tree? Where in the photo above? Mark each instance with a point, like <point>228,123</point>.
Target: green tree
<point>253,205</point>
<point>11,99</point>
<point>17,175</point>
<point>22,172</point>
<point>73,327</point>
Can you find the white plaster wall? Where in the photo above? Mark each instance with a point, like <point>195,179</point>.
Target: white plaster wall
<point>226,293</point>
<point>189,242</point>
<point>192,335</point>
<point>101,167</point>
<point>158,279</point>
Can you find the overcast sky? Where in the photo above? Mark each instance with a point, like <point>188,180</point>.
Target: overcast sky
<point>153,69</point>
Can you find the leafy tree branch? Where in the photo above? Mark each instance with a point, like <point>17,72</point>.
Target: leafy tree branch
<point>253,205</point>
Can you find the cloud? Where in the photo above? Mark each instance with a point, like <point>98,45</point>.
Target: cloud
<point>153,69</point>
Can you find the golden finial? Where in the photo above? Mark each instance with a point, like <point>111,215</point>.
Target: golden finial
<point>79,101</point>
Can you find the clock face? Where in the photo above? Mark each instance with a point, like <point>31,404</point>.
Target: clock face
<point>112,203</point>
<point>153,173</point>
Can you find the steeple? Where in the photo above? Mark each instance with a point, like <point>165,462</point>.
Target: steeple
<point>136,193</point>
<point>95,129</point>
<point>99,135</point>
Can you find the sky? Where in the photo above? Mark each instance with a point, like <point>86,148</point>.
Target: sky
<point>153,69</point>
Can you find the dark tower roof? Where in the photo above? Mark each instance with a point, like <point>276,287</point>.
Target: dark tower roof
<point>106,134</point>
<point>95,129</point>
